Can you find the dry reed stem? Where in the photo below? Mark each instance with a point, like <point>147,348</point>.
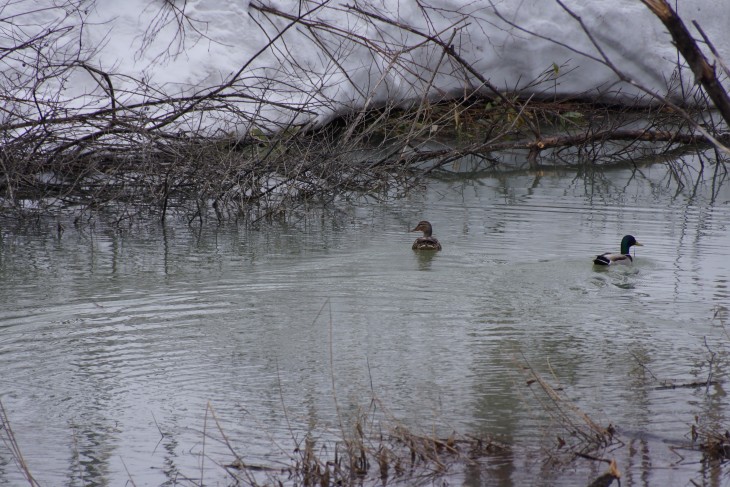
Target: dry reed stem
<point>576,423</point>
<point>11,443</point>
<point>371,445</point>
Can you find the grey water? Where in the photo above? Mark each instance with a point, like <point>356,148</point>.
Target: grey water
<point>128,355</point>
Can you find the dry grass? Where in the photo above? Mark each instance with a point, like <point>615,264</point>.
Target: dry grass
<point>373,449</point>
<point>712,439</point>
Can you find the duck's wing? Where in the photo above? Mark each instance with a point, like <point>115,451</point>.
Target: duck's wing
<point>426,243</point>
<point>608,259</point>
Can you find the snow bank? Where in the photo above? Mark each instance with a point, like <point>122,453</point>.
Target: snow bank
<point>337,58</point>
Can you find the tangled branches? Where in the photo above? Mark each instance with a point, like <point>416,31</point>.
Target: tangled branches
<point>275,133</point>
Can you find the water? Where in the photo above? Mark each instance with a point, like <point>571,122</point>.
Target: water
<point>120,350</point>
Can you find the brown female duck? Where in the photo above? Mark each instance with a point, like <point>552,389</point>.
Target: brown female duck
<point>427,242</point>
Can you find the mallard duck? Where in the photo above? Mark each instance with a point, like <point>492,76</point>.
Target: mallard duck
<point>427,242</point>
<point>623,258</point>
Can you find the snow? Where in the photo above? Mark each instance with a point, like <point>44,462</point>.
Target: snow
<point>152,51</point>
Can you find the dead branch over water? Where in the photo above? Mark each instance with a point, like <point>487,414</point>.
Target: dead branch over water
<point>232,151</point>
<point>704,73</point>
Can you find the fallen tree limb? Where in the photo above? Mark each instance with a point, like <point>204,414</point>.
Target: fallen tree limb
<point>543,143</point>
<point>704,73</point>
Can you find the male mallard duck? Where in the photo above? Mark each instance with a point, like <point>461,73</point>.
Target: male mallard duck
<point>623,258</point>
<point>427,242</point>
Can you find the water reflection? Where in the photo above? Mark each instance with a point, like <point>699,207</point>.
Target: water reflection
<point>120,339</point>
<point>425,258</point>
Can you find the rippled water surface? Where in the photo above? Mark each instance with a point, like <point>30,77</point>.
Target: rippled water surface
<point>114,343</point>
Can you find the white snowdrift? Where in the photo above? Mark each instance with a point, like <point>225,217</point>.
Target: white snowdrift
<point>336,59</point>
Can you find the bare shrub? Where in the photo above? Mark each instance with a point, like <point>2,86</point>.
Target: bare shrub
<point>265,141</point>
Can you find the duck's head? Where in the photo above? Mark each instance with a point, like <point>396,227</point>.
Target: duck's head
<point>627,242</point>
<point>425,227</point>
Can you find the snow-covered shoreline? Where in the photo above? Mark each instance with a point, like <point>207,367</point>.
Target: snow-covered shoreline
<point>320,59</point>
